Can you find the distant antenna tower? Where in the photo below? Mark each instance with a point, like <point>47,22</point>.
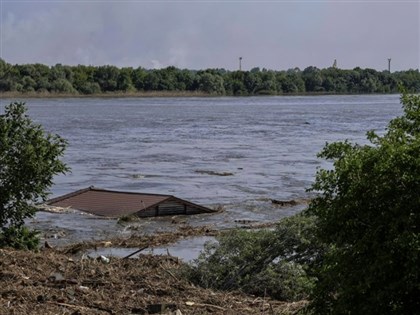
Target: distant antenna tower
<point>335,64</point>
<point>240,63</point>
<point>389,65</point>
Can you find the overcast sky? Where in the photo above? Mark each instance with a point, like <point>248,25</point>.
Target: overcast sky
<point>213,34</point>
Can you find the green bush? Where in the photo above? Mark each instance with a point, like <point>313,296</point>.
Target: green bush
<point>29,159</point>
<point>63,86</point>
<point>262,262</point>
<point>90,88</point>
<point>368,214</point>
<point>19,238</point>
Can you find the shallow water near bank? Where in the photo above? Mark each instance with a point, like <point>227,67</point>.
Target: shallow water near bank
<point>265,148</point>
<point>186,249</point>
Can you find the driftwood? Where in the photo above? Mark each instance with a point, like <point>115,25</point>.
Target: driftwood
<point>284,203</point>
<point>136,252</point>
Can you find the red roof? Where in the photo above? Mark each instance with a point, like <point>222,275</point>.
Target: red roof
<point>112,203</point>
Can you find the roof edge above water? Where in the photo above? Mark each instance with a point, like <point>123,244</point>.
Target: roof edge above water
<point>93,188</point>
<point>123,203</point>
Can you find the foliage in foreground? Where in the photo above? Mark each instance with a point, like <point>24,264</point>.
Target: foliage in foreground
<point>263,262</point>
<point>29,158</point>
<point>368,213</point>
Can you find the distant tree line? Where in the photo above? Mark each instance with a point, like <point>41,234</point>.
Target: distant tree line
<point>87,80</point>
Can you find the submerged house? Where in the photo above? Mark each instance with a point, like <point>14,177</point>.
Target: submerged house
<point>110,203</point>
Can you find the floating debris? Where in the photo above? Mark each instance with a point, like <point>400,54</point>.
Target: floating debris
<point>290,203</point>
<point>214,173</point>
<point>284,203</point>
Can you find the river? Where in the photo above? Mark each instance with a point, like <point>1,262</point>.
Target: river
<point>181,146</point>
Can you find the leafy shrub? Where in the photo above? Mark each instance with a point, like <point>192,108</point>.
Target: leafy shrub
<point>19,238</point>
<point>263,262</point>
<point>63,86</point>
<point>29,159</point>
<point>90,88</point>
<point>368,214</point>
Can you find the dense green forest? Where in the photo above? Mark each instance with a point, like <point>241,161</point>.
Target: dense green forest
<point>87,80</point>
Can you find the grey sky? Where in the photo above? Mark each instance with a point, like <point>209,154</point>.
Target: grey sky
<point>213,34</point>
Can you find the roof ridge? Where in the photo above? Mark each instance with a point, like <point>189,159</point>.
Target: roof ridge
<point>92,188</point>
<point>69,195</point>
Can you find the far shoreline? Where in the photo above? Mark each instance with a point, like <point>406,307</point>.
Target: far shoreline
<point>151,94</point>
<point>160,94</point>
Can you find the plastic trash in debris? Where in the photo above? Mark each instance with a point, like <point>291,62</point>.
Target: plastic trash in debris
<point>104,259</point>
<point>83,288</point>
